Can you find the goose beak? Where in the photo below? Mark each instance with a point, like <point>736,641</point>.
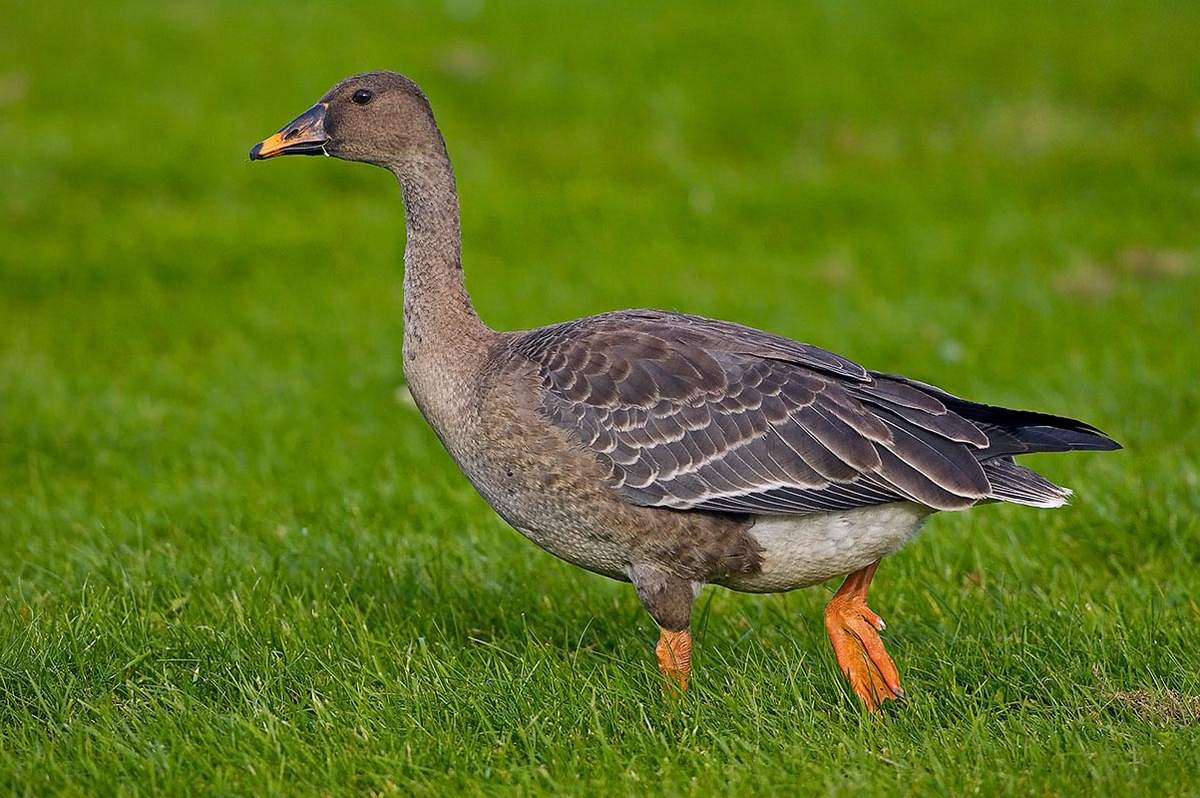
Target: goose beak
<point>304,135</point>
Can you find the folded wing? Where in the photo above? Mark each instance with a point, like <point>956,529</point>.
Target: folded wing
<point>692,413</point>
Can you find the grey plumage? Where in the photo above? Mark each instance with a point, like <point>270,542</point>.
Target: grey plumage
<point>697,414</point>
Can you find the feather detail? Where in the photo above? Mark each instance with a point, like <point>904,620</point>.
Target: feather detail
<point>693,413</point>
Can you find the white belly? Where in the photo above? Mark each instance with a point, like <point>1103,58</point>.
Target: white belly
<point>803,550</point>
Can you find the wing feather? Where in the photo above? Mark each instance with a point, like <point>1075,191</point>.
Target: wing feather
<point>693,413</point>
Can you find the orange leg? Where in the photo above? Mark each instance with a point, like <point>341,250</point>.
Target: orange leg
<point>675,656</point>
<point>854,631</point>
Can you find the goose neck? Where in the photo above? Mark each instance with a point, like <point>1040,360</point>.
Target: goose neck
<point>439,319</point>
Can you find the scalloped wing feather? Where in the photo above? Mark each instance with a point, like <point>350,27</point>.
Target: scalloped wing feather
<point>692,413</point>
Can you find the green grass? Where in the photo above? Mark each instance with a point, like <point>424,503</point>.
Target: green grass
<point>235,563</point>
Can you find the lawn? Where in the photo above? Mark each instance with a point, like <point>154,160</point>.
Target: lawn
<point>237,562</point>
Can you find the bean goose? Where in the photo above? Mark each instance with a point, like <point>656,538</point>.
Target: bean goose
<point>668,450</point>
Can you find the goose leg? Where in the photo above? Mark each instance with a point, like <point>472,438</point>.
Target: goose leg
<point>668,599</point>
<point>854,632</point>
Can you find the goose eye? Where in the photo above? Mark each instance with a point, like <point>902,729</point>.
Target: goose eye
<point>362,97</point>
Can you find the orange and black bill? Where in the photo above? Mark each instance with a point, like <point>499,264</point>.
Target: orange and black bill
<point>304,135</point>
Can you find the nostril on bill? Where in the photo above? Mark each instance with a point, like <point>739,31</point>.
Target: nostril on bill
<point>291,134</point>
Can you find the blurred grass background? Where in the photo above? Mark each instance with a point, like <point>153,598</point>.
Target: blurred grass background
<point>236,563</point>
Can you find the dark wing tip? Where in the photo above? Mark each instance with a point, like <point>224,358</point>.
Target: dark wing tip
<point>1105,444</point>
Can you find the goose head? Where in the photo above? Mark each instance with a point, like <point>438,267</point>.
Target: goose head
<point>380,118</point>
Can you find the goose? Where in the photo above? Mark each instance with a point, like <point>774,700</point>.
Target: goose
<point>668,450</point>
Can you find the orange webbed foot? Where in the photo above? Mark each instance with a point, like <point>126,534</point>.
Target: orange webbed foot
<point>854,632</point>
<point>674,652</point>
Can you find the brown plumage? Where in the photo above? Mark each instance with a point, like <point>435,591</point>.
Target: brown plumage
<point>693,413</point>
<point>672,450</point>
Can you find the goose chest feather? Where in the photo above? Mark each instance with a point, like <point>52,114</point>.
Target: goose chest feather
<point>672,450</point>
